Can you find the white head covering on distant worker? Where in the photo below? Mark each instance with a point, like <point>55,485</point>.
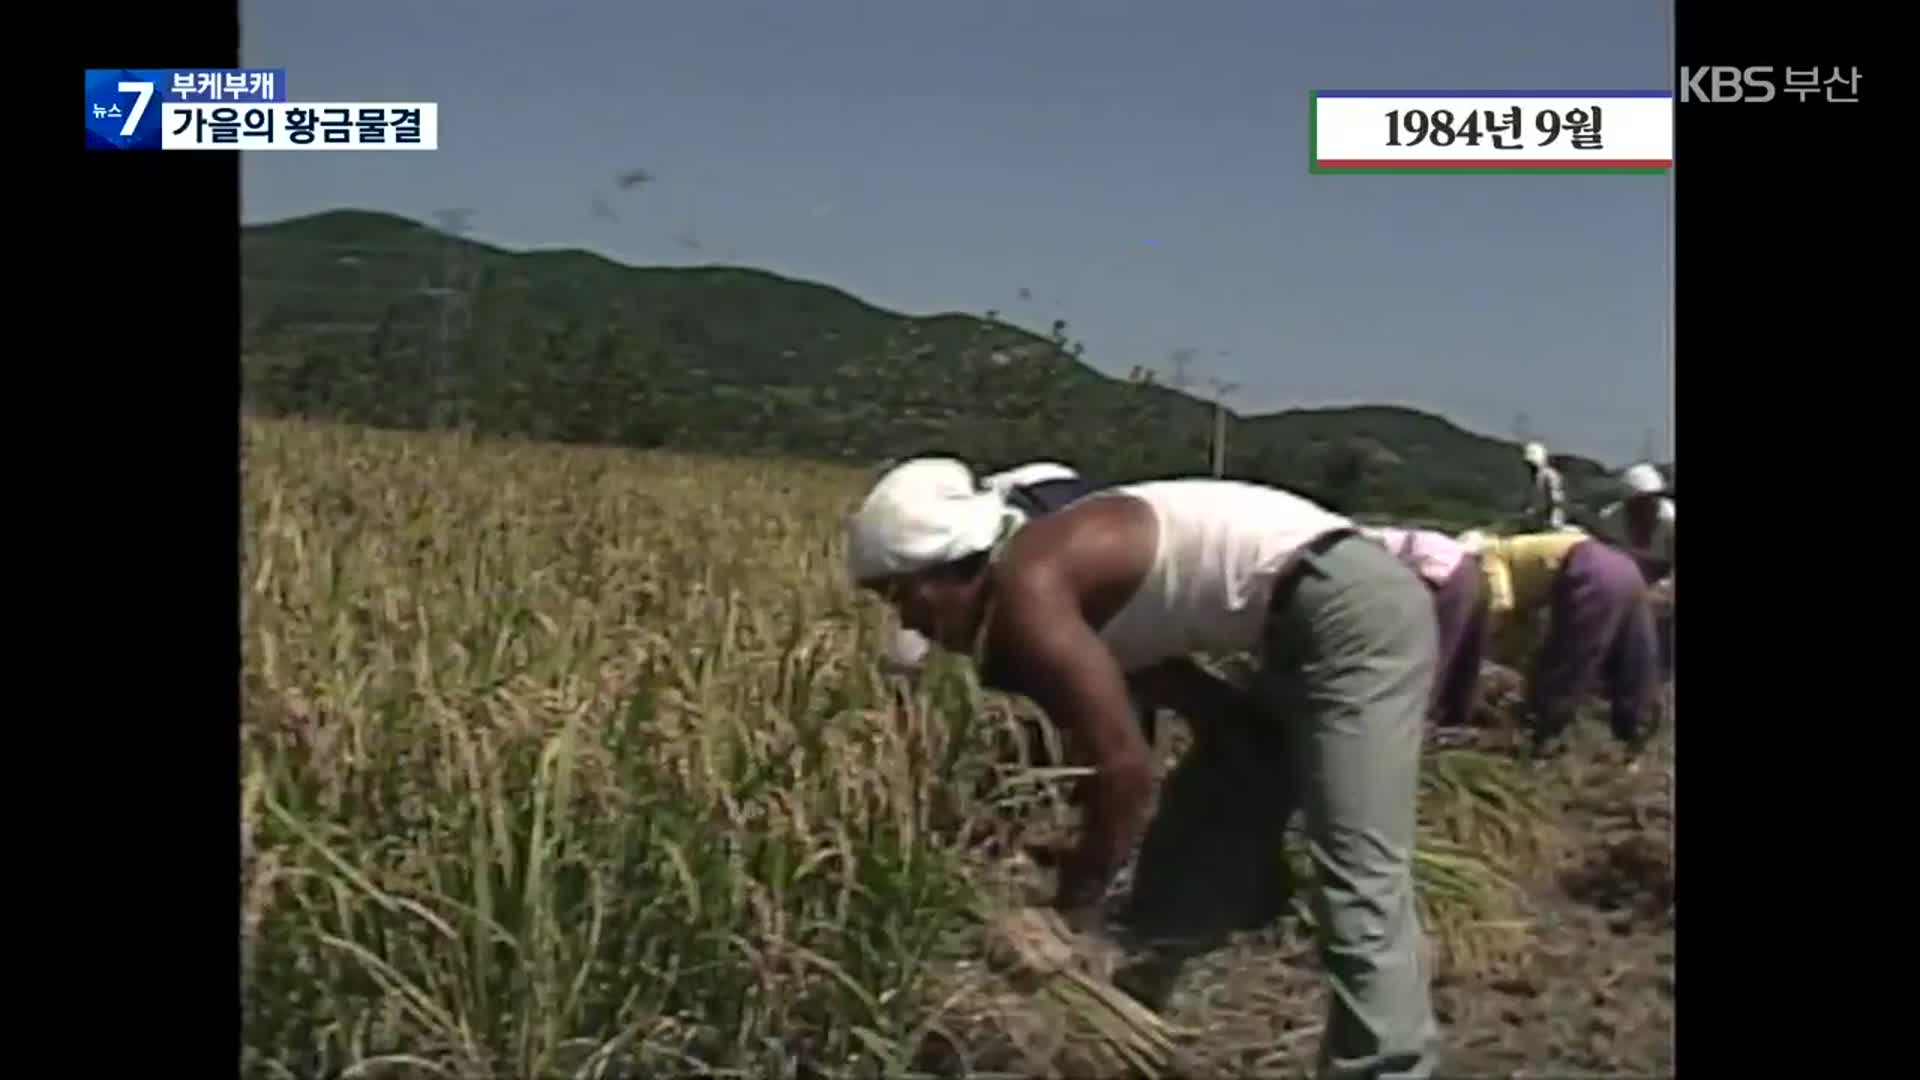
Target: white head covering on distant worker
<point>1547,501</point>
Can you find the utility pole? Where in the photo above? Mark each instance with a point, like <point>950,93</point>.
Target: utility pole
<point>1221,388</point>
<point>1182,379</point>
<point>1182,361</point>
<point>453,224</point>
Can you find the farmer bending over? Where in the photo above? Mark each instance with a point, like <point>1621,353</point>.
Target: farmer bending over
<point>1642,523</point>
<point>1598,623</point>
<point>1453,575</point>
<point>1129,581</point>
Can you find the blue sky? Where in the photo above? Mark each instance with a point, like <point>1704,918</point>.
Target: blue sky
<point>1139,169</point>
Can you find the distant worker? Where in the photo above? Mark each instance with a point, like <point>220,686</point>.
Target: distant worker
<point>1547,499</point>
<point>1128,583</point>
<point>1642,524</point>
<point>1599,624</point>
<point>1642,521</point>
<point>1452,572</point>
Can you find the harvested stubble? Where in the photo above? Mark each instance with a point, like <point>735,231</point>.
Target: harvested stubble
<point>1485,829</point>
<point>569,762</point>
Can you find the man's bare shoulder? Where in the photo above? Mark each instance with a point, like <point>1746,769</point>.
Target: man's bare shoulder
<point>1047,543</point>
<point>1084,560</point>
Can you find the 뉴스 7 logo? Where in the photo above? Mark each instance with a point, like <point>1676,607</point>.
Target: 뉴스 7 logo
<point>1726,84</point>
<point>143,92</point>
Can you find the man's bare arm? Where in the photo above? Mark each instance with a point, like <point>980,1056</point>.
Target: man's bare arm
<point>1056,659</point>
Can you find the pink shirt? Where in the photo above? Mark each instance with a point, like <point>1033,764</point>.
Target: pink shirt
<point>1434,556</point>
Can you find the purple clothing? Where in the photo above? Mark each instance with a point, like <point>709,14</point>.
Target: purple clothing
<point>1460,605</point>
<point>1600,625</point>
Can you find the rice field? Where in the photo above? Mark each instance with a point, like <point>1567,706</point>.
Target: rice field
<point>570,762</point>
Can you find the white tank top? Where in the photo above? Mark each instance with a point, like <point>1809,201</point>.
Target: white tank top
<point>1221,544</point>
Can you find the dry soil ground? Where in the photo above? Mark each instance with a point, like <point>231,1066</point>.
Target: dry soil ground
<point>1591,993</point>
<point>1598,1000</point>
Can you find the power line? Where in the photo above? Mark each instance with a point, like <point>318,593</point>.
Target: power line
<point>1183,380</point>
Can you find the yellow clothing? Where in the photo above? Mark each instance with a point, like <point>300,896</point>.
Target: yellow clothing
<point>1520,570</point>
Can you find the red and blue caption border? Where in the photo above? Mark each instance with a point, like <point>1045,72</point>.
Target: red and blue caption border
<point>1473,166</point>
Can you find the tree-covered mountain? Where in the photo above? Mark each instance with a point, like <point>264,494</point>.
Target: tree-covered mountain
<point>374,319</point>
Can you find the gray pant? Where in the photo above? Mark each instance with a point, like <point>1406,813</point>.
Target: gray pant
<point>1347,674</point>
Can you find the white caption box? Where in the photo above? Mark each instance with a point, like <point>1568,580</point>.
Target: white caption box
<point>1599,130</point>
<point>301,125</point>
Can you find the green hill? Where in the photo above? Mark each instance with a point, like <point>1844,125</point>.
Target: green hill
<point>346,315</point>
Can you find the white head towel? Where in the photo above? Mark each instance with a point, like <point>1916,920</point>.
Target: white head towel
<point>924,513</point>
<point>1038,472</point>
